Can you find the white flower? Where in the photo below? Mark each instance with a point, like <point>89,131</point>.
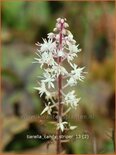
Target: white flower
<point>60,53</point>
<point>42,89</point>
<point>47,109</point>
<point>58,69</point>
<point>48,46</point>
<point>45,58</point>
<point>71,82</point>
<point>49,79</point>
<point>73,48</point>
<point>50,96</point>
<point>61,125</point>
<point>71,56</point>
<point>71,99</point>
<point>42,58</point>
<point>76,73</point>
<point>69,38</point>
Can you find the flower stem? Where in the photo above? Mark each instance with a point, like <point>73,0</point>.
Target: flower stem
<point>60,106</point>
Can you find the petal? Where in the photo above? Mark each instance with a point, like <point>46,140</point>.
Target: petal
<point>46,109</point>
<point>61,127</point>
<point>73,127</point>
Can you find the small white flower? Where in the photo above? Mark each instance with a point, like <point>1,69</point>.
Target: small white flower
<point>42,89</point>
<point>76,73</point>
<point>71,99</point>
<point>71,82</point>
<point>47,109</point>
<point>42,59</point>
<point>58,69</point>
<point>61,53</point>
<point>47,45</point>
<point>45,58</point>
<point>49,95</point>
<point>61,125</point>
<point>71,56</point>
<point>69,38</point>
<point>73,48</point>
<point>49,79</point>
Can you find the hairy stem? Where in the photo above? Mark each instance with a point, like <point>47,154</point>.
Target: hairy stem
<point>60,106</point>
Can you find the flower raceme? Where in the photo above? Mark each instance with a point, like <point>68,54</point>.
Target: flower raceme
<point>56,49</point>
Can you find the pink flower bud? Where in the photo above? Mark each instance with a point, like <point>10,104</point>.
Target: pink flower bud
<point>57,37</point>
<point>58,25</point>
<point>64,31</point>
<point>62,20</point>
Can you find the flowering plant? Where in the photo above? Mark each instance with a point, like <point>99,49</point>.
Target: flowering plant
<point>52,53</point>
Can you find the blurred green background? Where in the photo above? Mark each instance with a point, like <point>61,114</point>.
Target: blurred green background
<point>23,24</point>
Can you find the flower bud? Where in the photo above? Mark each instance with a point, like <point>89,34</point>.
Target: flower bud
<point>57,37</point>
<point>55,29</point>
<point>58,19</point>
<point>66,25</point>
<point>60,53</point>
<point>64,31</point>
<point>62,20</point>
<point>58,26</point>
<point>51,35</point>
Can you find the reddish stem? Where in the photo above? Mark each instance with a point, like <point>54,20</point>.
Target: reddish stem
<point>60,106</point>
